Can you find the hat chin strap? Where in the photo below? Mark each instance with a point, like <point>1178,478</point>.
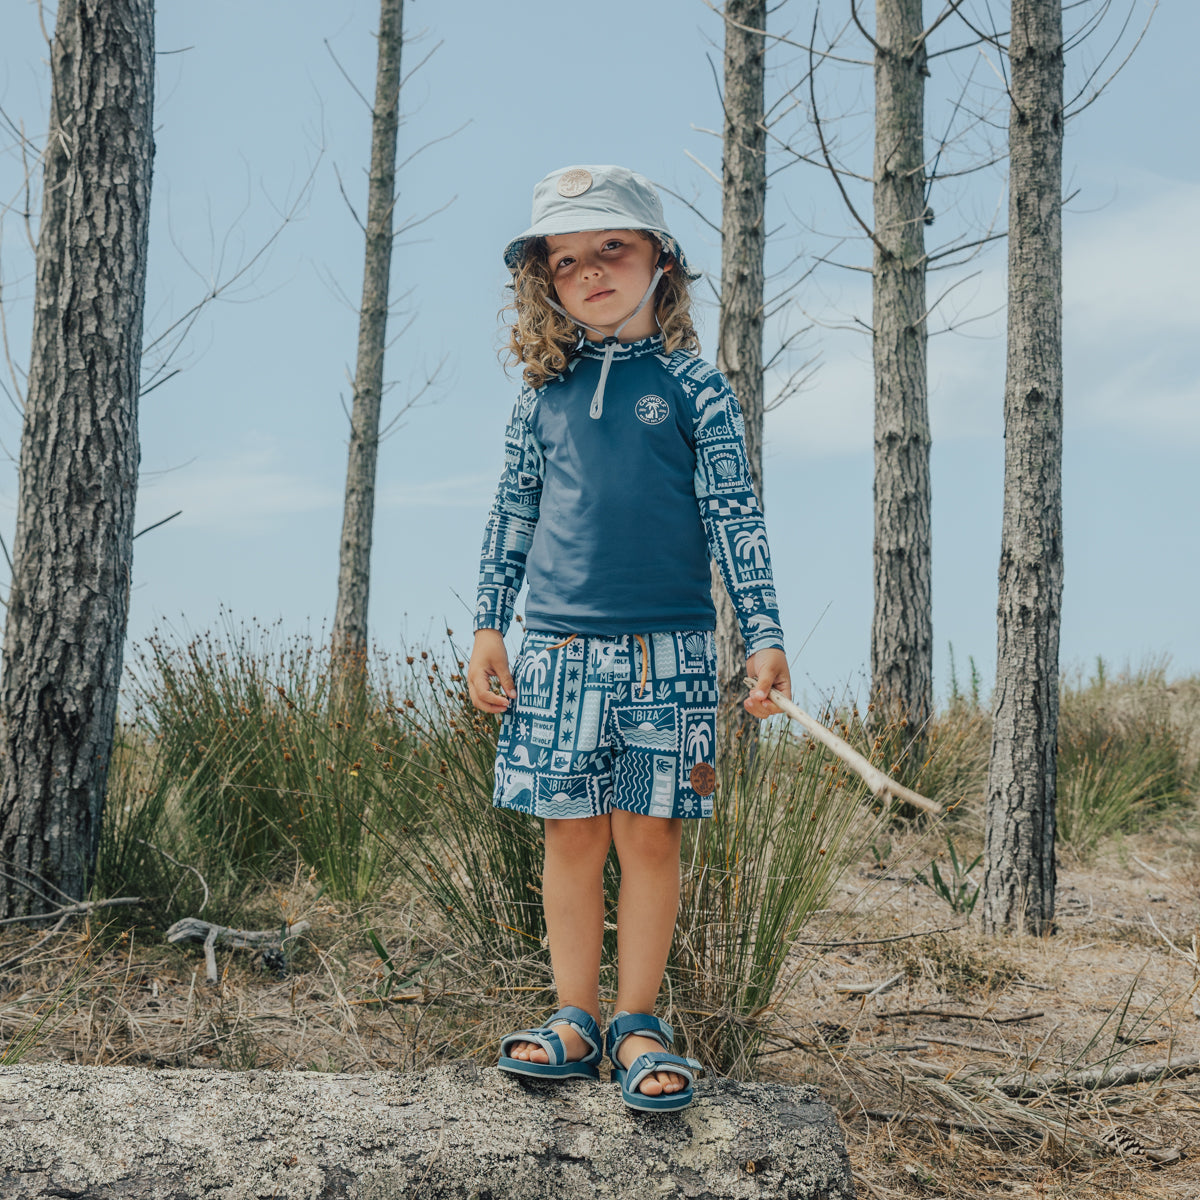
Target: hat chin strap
<point>610,341</point>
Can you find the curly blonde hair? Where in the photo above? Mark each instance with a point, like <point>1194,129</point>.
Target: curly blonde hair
<point>543,339</point>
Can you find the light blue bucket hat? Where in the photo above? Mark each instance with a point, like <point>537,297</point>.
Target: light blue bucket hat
<point>579,199</point>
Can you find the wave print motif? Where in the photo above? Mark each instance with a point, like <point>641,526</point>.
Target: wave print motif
<point>570,797</point>
<point>652,729</point>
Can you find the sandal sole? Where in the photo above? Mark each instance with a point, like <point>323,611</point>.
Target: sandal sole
<point>571,1070</point>
<point>640,1102</point>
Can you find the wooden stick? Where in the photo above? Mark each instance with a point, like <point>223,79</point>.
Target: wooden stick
<point>948,1015</point>
<point>882,786</point>
<point>1102,1077</point>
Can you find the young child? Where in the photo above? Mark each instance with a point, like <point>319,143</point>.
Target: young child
<point>625,470</point>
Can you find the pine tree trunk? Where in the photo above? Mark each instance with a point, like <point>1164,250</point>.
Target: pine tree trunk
<point>901,631</point>
<point>354,562</point>
<point>1019,871</point>
<point>740,331</point>
<point>73,550</point>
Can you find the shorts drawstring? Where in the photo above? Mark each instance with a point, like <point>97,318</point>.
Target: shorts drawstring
<point>637,637</point>
<point>641,641</point>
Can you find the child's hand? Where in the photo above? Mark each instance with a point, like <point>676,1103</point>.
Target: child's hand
<point>770,668</point>
<point>489,661</point>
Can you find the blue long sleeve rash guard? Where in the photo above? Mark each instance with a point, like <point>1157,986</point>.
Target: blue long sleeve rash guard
<point>613,519</point>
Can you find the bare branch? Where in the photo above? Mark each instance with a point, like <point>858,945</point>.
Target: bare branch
<point>64,914</point>
<point>956,284</point>
<point>950,10</point>
<point>1068,111</point>
<point>704,167</point>
<point>991,39</point>
<point>347,78</point>
<point>181,327</point>
<point>147,530</point>
<point>786,41</point>
<point>955,326</point>
<point>159,382</point>
<point>349,204</point>
<point>431,380</point>
<point>1090,24</point>
<point>814,162</point>
<point>184,866</point>
<point>444,137</point>
<point>421,220</point>
<point>960,247</point>
<point>688,203</point>
<point>816,116</point>
<point>861,29</point>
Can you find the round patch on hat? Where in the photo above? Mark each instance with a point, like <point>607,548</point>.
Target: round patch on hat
<point>703,779</point>
<point>574,182</point>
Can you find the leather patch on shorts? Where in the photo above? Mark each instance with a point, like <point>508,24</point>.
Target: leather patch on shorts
<point>703,779</point>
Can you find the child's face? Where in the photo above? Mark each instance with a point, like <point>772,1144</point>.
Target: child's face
<point>600,276</point>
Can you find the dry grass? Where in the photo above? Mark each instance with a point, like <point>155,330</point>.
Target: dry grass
<point>1106,988</point>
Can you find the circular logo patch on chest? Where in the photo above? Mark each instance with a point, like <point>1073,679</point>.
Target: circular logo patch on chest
<point>703,779</point>
<point>652,410</point>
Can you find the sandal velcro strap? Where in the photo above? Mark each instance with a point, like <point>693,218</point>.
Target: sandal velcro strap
<point>549,1040</point>
<point>625,1024</point>
<point>652,1063</point>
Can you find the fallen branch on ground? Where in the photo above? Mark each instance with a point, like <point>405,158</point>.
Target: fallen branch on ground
<point>1101,1077</point>
<point>963,1016</point>
<point>192,929</point>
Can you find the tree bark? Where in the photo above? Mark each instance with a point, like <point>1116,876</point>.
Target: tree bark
<point>354,561</point>
<point>1019,869</point>
<point>902,626</point>
<point>73,549</point>
<point>740,328</point>
<point>455,1131</point>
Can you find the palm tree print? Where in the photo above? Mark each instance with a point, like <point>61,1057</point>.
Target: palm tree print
<point>752,544</point>
<point>698,741</point>
<point>537,668</point>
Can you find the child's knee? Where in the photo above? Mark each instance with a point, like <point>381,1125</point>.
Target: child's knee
<point>578,837</point>
<point>647,838</point>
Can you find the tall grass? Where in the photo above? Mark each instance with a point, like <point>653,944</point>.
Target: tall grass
<point>1122,758</point>
<point>236,762</point>
<point>248,759</point>
<point>1128,752</point>
<point>480,867</point>
<point>786,826</point>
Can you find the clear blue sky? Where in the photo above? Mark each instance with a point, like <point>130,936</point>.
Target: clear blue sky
<point>249,439</point>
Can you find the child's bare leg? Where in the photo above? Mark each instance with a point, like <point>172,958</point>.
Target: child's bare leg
<point>648,848</point>
<point>573,899</point>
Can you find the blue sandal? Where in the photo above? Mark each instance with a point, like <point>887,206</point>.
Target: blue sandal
<point>630,1078</point>
<point>558,1067</point>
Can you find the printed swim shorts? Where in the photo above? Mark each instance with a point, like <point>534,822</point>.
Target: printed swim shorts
<point>611,722</point>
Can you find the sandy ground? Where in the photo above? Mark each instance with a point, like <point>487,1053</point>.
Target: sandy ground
<point>1105,987</point>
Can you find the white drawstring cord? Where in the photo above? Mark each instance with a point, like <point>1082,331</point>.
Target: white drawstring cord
<point>610,342</point>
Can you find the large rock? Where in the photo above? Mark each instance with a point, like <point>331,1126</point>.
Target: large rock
<point>99,1133</point>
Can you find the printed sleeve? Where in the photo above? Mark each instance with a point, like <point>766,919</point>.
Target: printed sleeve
<point>511,521</point>
<point>733,520</point>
